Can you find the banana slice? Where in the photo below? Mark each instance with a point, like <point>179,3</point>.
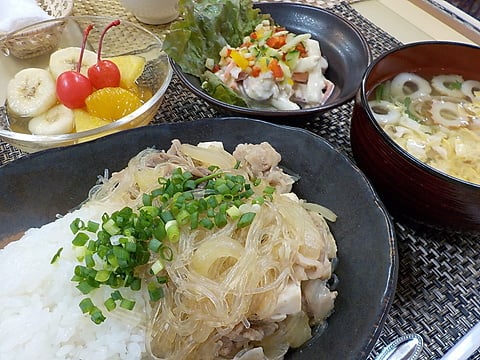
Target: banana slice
<point>67,59</point>
<point>58,120</point>
<point>31,92</point>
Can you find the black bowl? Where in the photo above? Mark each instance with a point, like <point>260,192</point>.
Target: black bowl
<point>410,188</point>
<point>368,259</point>
<point>344,47</point>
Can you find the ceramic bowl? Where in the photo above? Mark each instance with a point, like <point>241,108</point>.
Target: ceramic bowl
<point>408,186</point>
<point>126,38</point>
<point>344,47</point>
<point>367,274</point>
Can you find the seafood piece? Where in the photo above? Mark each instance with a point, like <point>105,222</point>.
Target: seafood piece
<point>409,84</point>
<point>469,88</point>
<point>384,112</point>
<point>448,85</point>
<point>447,114</point>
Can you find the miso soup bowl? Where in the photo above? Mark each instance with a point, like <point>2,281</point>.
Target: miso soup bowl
<point>408,187</point>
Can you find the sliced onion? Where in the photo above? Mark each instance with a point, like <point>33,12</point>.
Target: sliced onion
<point>218,157</point>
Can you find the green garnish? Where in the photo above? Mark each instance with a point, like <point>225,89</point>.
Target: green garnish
<point>200,34</point>
<point>379,92</point>
<point>406,103</point>
<point>455,85</point>
<point>131,246</point>
<point>56,256</point>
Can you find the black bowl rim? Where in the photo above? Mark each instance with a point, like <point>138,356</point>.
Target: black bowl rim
<point>405,154</point>
<point>283,113</point>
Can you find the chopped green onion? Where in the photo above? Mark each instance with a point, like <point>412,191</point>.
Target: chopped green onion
<point>86,305</point>
<point>116,295</point>
<point>173,232</point>
<point>102,275</point>
<point>85,287</point>
<point>155,292</point>
<point>245,220</point>
<point>157,266</point>
<point>89,262</point>
<point>110,227</point>
<point>166,253</point>
<point>110,304</point>
<point>147,199</point>
<point>76,225</point>
<point>92,226</point>
<point>128,238</point>
<point>220,219</point>
<point>234,212</point>
<point>80,239</point>
<point>207,223</point>
<point>136,284</point>
<point>97,316</point>
<point>127,304</point>
<point>56,256</point>
<point>154,245</point>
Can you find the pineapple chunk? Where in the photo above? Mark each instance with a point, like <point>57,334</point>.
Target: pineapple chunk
<point>84,121</point>
<point>131,67</point>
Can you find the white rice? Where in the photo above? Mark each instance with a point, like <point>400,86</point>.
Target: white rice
<point>39,313</point>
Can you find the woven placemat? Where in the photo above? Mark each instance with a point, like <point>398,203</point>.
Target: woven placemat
<point>438,292</point>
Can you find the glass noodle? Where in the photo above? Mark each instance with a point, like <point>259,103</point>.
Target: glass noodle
<point>235,292</point>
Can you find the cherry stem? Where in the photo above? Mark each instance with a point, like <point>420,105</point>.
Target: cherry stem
<point>84,43</point>
<point>100,42</point>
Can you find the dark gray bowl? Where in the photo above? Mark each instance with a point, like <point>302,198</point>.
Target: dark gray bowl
<point>345,48</point>
<point>34,191</point>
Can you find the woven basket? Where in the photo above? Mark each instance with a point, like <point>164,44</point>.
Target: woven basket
<point>28,43</point>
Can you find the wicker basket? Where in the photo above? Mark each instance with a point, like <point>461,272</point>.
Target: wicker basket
<point>25,43</point>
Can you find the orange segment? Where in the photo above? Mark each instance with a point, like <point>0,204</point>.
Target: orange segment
<point>131,67</point>
<point>112,103</point>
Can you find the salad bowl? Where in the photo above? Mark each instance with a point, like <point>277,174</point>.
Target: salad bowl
<point>342,45</point>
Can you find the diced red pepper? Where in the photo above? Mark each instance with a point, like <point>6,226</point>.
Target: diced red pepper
<point>275,68</point>
<point>253,35</point>
<point>246,44</point>
<point>276,42</point>
<point>301,48</point>
<point>256,71</point>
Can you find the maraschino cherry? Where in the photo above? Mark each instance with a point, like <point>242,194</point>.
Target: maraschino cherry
<point>104,73</point>
<point>73,87</point>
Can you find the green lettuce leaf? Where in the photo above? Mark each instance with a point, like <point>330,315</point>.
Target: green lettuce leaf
<point>205,28</point>
<point>215,87</point>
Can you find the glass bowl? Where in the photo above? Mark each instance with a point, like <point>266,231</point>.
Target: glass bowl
<point>47,36</point>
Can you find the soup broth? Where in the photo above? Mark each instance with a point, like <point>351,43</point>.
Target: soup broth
<point>436,119</point>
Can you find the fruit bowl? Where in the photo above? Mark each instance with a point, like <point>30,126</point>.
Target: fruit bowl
<point>145,75</point>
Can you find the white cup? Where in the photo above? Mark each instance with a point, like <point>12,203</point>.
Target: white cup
<point>153,11</point>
